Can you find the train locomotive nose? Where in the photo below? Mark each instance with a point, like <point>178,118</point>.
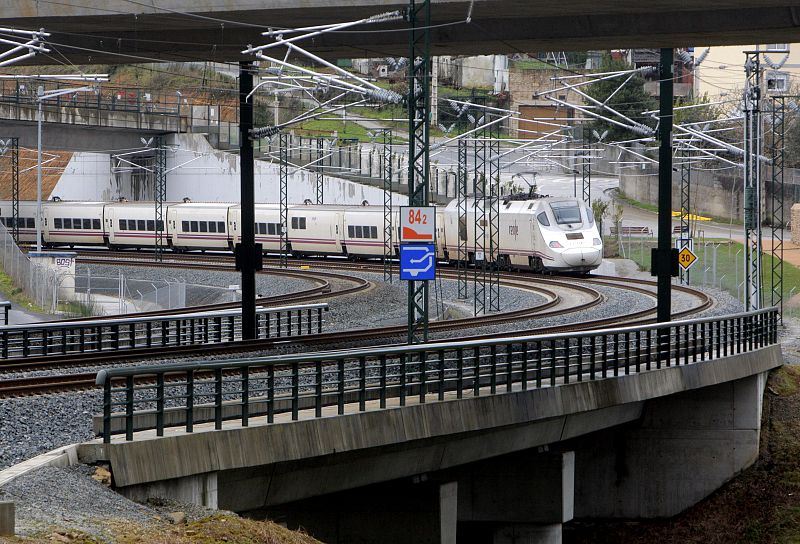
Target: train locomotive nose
<point>581,256</point>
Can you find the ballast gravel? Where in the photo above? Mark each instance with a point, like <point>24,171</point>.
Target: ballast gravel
<point>30,426</point>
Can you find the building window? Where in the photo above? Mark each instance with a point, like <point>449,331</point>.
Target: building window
<point>783,47</point>
<point>777,82</point>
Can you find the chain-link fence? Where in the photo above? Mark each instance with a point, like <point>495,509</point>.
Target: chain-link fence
<point>119,294</point>
<point>38,282</point>
<point>719,264</point>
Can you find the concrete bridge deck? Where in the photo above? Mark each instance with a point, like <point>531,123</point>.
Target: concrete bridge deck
<point>120,31</point>
<point>510,455</point>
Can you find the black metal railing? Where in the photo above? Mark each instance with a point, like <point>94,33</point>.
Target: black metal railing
<point>71,337</point>
<point>6,306</point>
<point>155,397</point>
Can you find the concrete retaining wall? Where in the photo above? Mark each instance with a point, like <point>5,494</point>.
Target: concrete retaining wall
<point>207,174</point>
<point>717,195</point>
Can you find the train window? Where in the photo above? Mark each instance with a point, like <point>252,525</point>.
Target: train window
<point>160,225</point>
<point>589,216</point>
<point>302,222</point>
<point>141,224</point>
<point>212,226</point>
<point>351,231</point>
<point>542,217</point>
<point>271,228</point>
<point>3,221</point>
<point>194,226</point>
<point>203,226</point>
<point>151,225</point>
<point>67,223</point>
<point>220,226</point>
<point>76,223</point>
<point>185,226</point>
<point>530,206</point>
<point>96,224</point>
<point>566,212</point>
<point>359,231</point>
<point>31,223</point>
<point>123,224</point>
<point>87,224</point>
<point>462,228</point>
<point>294,223</point>
<point>373,232</point>
<point>57,223</point>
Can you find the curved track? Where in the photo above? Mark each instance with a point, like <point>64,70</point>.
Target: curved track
<point>550,287</point>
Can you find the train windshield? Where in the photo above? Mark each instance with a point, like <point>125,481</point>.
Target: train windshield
<point>566,212</point>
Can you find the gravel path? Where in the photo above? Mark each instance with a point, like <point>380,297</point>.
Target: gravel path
<point>68,499</point>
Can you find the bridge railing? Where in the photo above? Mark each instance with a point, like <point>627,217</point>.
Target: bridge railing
<point>117,334</point>
<point>147,397</point>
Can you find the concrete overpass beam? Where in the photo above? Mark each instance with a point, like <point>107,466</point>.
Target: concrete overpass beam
<point>684,448</point>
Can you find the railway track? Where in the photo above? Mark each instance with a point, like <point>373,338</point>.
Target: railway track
<point>546,286</point>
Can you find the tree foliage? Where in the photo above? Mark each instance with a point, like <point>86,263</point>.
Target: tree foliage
<point>631,100</point>
<point>600,210</point>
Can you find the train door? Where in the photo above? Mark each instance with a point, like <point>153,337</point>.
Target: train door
<point>441,242</point>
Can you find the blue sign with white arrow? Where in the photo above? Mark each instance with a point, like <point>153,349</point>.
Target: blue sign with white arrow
<point>417,262</point>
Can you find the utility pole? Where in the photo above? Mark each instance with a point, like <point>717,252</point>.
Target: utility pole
<point>40,96</point>
<point>419,107</point>
<point>752,180</point>
<point>664,258</point>
<point>245,256</point>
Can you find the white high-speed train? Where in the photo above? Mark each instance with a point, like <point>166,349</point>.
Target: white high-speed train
<point>542,234</point>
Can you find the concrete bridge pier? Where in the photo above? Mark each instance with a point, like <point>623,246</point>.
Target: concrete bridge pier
<point>684,447</point>
<point>522,498</point>
<point>412,510</point>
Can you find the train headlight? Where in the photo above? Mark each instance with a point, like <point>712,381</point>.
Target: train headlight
<point>555,245</point>
<point>597,242</point>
